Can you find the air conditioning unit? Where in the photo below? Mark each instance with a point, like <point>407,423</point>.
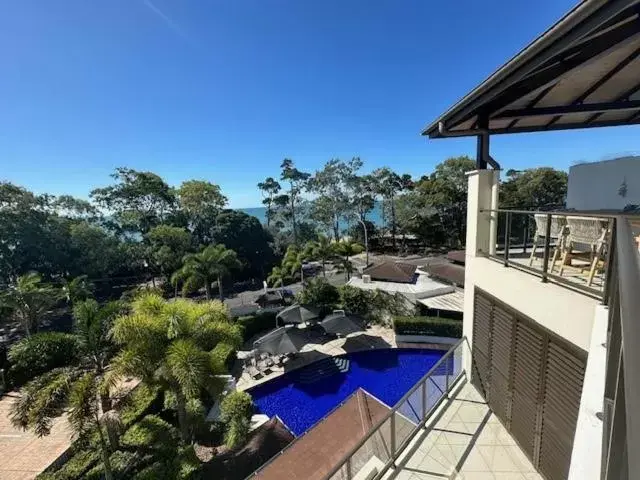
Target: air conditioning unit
<point>366,278</point>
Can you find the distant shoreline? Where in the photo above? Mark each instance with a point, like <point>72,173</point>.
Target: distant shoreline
<point>260,213</point>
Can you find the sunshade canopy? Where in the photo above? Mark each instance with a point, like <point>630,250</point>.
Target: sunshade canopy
<point>582,72</point>
<point>281,341</point>
<point>297,314</point>
<point>339,323</point>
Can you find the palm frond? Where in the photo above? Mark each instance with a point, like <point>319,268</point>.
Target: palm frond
<point>188,366</point>
<point>83,403</point>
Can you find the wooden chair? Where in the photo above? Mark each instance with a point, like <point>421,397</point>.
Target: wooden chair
<point>591,234</point>
<point>557,233</point>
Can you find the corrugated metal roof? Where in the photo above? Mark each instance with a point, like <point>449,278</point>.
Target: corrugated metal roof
<point>453,302</point>
<point>583,72</point>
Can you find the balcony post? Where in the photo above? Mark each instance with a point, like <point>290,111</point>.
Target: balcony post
<point>547,247</point>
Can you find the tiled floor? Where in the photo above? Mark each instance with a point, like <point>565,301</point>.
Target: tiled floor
<point>466,442</point>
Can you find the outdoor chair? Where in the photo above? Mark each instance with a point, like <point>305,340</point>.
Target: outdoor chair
<point>253,372</point>
<point>587,236</point>
<point>557,233</point>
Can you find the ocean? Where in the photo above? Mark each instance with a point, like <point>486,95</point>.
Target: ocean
<point>374,215</point>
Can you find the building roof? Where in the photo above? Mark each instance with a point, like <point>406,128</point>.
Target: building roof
<point>582,72</point>
<point>392,272</point>
<point>314,454</point>
<point>457,256</point>
<point>452,302</point>
<point>265,442</point>
<point>423,287</point>
<point>448,272</point>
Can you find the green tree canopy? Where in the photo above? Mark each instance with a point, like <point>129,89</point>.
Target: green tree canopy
<point>167,246</point>
<point>201,201</point>
<point>535,187</point>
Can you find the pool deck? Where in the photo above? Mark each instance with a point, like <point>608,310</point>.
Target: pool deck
<point>319,347</point>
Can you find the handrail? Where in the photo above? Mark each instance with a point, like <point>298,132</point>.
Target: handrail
<point>567,213</point>
<point>345,458</point>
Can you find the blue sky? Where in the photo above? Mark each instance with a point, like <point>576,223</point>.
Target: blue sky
<point>223,90</point>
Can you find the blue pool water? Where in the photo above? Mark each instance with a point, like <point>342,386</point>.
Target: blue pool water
<point>304,396</point>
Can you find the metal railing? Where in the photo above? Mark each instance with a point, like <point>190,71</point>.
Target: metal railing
<point>572,249</point>
<point>621,420</point>
<point>390,436</point>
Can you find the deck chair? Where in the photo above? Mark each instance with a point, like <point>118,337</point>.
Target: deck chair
<point>557,233</point>
<point>591,234</point>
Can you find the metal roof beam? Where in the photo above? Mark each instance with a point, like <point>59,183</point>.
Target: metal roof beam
<point>568,109</point>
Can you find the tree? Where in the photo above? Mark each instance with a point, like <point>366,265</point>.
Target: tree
<point>235,411</point>
<point>168,344</point>
<point>201,201</point>
<point>269,188</point>
<point>244,234</point>
<point>77,289</point>
<point>446,190</point>
<point>167,246</point>
<point>278,276</point>
<point>29,299</point>
<point>331,186</point>
<point>322,250</point>
<point>321,294</point>
<point>534,188</point>
<point>139,200</point>
<point>297,181</point>
<point>389,184</point>
<point>348,249</point>
<point>202,269</point>
<point>82,389</point>
<point>417,217</point>
<point>361,194</point>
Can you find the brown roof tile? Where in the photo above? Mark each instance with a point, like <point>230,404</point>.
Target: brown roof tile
<point>392,272</point>
<point>448,272</point>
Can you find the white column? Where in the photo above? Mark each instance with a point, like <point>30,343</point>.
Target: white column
<point>482,194</point>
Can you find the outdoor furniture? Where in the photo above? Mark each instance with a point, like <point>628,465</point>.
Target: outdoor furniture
<point>340,324</point>
<point>298,314</point>
<point>281,341</point>
<point>557,233</point>
<point>253,371</point>
<point>587,235</point>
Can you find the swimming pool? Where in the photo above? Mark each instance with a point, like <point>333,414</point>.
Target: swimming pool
<point>304,396</point>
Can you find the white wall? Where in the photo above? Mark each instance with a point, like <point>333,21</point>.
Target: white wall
<point>597,186</point>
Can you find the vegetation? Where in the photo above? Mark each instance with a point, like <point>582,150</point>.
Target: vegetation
<point>235,411</point>
<point>375,306</point>
<point>168,343</point>
<point>29,300</point>
<point>432,326</point>
<point>320,293</point>
<point>253,324</point>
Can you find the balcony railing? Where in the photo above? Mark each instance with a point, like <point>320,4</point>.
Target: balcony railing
<point>569,248</point>
<point>389,438</point>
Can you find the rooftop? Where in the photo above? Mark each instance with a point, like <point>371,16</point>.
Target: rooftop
<point>422,288</point>
<point>392,272</point>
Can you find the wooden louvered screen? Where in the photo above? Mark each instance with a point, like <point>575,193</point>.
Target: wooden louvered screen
<point>561,402</point>
<point>532,381</point>
<point>480,375</point>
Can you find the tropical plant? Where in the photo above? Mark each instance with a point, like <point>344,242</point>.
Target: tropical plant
<point>29,299</point>
<point>269,188</point>
<point>322,249</point>
<point>77,289</point>
<point>278,276</point>
<point>82,389</point>
<point>202,269</point>
<point>321,294</point>
<point>348,249</point>
<point>291,200</point>
<point>235,411</point>
<point>168,344</point>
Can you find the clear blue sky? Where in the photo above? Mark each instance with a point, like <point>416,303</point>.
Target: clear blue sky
<point>223,90</point>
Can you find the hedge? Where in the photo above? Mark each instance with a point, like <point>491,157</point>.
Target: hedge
<point>257,323</point>
<point>140,402</point>
<point>223,356</point>
<point>40,353</point>
<point>74,468</point>
<point>431,326</point>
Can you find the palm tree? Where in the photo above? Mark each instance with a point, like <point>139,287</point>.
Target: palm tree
<point>29,299</point>
<point>82,390</point>
<point>168,344</point>
<point>277,277</point>
<point>202,269</point>
<point>77,289</point>
<point>322,249</point>
<point>348,249</point>
<point>292,261</point>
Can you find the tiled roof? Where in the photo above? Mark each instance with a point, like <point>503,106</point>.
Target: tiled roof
<point>448,272</point>
<point>313,455</point>
<point>456,256</point>
<point>392,272</point>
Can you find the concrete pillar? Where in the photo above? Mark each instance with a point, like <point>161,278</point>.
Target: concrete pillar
<point>482,227</point>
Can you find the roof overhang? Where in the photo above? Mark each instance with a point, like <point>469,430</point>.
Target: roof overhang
<point>583,72</point>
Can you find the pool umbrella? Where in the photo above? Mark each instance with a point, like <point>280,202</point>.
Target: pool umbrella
<point>297,314</point>
<point>341,324</point>
<point>281,341</point>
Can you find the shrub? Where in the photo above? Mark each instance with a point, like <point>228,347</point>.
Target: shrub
<point>183,466</point>
<point>40,353</point>
<point>222,357</point>
<point>141,401</point>
<point>75,467</point>
<point>319,293</point>
<point>258,323</point>
<point>151,433</point>
<point>434,326</point>
<point>235,411</point>
<point>355,300</point>
<point>121,462</point>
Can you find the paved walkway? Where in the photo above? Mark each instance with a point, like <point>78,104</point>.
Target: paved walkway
<point>22,454</point>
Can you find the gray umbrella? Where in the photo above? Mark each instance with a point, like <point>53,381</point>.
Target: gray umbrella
<point>297,314</point>
<point>341,324</point>
<point>281,341</point>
